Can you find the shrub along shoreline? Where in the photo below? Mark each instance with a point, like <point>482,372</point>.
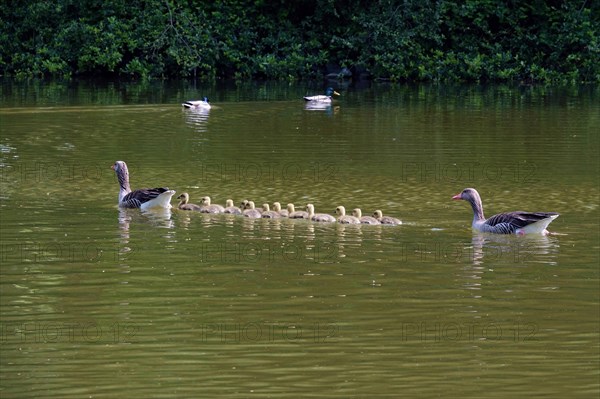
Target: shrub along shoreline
<point>413,40</point>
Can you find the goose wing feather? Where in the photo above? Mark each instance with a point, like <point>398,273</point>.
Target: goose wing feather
<point>136,198</point>
<point>510,222</point>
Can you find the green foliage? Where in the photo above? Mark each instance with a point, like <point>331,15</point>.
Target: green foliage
<point>412,40</point>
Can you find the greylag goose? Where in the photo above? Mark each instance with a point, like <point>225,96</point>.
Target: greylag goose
<point>322,98</point>
<point>207,207</point>
<point>343,218</point>
<point>356,212</point>
<point>185,206</point>
<point>294,214</point>
<point>318,217</point>
<point>250,211</point>
<point>229,208</point>
<point>144,198</point>
<point>197,104</point>
<point>517,222</point>
<point>269,214</point>
<point>277,208</point>
<point>385,219</point>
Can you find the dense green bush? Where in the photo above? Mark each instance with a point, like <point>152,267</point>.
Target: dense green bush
<point>410,40</point>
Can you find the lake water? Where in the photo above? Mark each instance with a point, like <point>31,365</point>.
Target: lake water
<point>101,302</point>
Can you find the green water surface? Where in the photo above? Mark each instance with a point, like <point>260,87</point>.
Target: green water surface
<point>101,302</point>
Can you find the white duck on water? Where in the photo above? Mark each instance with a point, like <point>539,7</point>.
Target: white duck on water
<point>517,222</point>
<point>322,98</point>
<point>144,198</point>
<point>197,104</point>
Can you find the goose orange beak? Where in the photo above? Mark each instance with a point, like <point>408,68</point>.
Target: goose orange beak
<point>457,197</point>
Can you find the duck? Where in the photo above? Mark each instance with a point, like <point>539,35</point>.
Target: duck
<point>517,222</point>
<point>144,198</point>
<point>277,208</point>
<point>250,211</point>
<point>294,214</point>
<point>318,217</point>
<point>197,104</point>
<point>343,218</point>
<point>267,213</point>
<point>185,206</point>
<point>326,98</point>
<point>207,207</point>
<point>386,219</point>
<point>357,212</point>
<point>229,208</point>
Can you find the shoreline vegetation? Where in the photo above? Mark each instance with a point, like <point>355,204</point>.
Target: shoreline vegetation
<point>410,41</point>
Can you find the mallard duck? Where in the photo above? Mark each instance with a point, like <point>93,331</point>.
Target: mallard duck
<point>229,208</point>
<point>250,211</point>
<point>323,98</point>
<point>356,212</point>
<point>207,207</point>
<point>197,104</point>
<point>385,219</point>
<point>277,208</point>
<point>184,204</point>
<point>517,222</point>
<point>318,217</point>
<point>294,214</point>
<point>343,218</point>
<point>145,198</point>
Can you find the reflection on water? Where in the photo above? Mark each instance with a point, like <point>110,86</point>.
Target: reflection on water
<point>490,255</point>
<point>322,106</point>
<point>500,248</point>
<point>159,217</point>
<point>197,118</point>
<point>154,217</point>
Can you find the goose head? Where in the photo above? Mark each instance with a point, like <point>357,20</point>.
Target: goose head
<point>184,197</point>
<point>472,196</point>
<point>356,212</point>
<point>119,166</point>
